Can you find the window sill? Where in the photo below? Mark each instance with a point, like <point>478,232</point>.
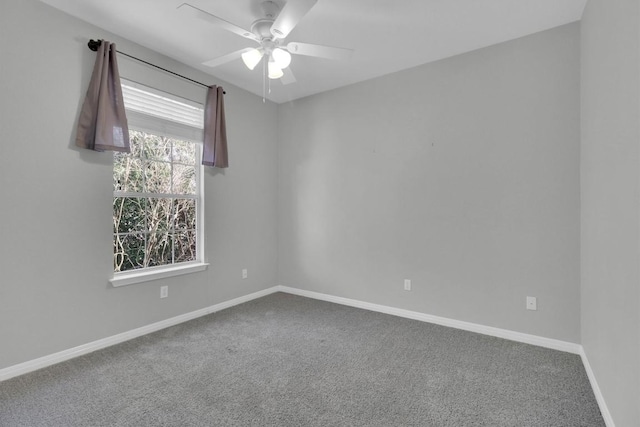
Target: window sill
<point>136,276</point>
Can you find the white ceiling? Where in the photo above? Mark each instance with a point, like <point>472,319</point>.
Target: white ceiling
<point>386,35</point>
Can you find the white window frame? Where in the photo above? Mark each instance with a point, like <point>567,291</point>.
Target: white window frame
<point>187,129</point>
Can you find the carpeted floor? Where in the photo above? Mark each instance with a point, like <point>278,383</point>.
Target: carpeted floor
<point>284,360</point>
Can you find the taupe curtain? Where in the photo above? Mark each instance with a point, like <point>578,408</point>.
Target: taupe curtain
<point>214,152</point>
<point>103,124</point>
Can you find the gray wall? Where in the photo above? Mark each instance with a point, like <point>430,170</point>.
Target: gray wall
<point>610,173</point>
<point>462,175</point>
<point>56,255</point>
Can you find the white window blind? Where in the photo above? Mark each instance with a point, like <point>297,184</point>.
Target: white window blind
<point>155,111</point>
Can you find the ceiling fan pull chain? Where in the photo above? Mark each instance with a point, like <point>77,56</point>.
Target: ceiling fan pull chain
<point>264,81</point>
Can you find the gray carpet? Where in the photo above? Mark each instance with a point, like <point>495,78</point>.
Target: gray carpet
<point>284,360</point>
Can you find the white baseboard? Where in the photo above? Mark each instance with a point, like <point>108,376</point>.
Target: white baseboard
<point>43,362</point>
<point>604,409</point>
<point>472,327</point>
<point>458,324</point>
<point>52,359</point>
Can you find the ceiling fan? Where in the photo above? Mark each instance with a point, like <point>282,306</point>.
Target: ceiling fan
<point>269,33</point>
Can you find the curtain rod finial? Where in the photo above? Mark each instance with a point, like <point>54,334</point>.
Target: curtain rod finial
<point>94,44</point>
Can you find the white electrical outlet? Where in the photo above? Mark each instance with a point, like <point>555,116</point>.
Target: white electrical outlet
<point>164,291</point>
<point>245,273</point>
<point>532,303</point>
<point>407,284</point>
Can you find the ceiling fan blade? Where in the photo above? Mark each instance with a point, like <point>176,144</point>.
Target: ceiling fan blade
<point>288,77</point>
<point>327,52</point>
<point>226,58</point>
<point>219,22</point>
<point>291,14</point>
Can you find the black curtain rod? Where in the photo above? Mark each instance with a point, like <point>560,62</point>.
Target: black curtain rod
<point>95,44</point>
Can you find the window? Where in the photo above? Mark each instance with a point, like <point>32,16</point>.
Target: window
<point>157,200</point>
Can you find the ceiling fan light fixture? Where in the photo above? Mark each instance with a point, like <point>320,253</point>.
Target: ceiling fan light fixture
<point>281,57</point>
<point>275,72</point>
<point>252,58</point>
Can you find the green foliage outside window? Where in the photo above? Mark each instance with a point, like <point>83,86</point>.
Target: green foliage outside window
<point>155,202</point>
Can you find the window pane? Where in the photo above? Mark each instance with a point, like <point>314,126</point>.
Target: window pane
<point>184,152</point>
<point>185,214</point>
<point>184,179</point>
<point>185,246</point>
<point>135,141</point>
<point>128,252</point>
<point>159,216</point>
<point>156,147</point>
<point>158,249</point>
<point>158,177</point>
<point>128,214</point>
<point>128,174</point>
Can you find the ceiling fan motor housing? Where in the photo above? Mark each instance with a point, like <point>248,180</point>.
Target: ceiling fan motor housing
<point>262,28</point>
